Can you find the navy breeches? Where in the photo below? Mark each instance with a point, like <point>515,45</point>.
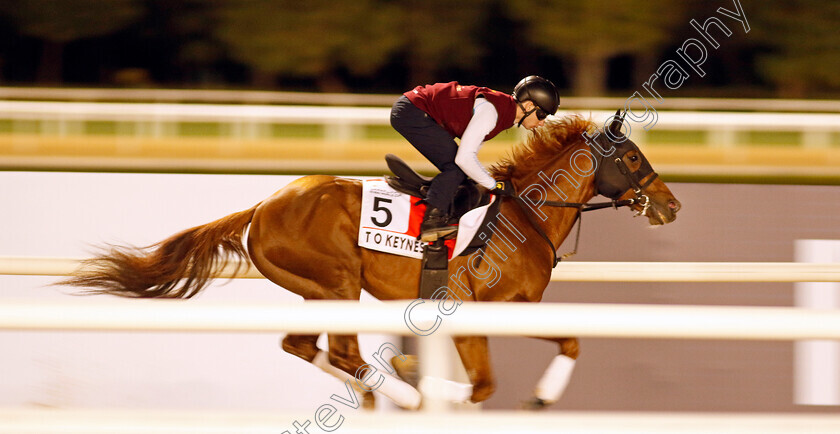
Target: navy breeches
<point>436,144</point>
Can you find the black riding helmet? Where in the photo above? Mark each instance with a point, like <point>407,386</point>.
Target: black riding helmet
<point>541,92</point>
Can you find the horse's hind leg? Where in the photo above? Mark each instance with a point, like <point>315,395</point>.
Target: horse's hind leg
<point>303,346</point>
<point>344,355</point>
<point>341,361</point>
<point>304,239</point>
<point>556,377</point>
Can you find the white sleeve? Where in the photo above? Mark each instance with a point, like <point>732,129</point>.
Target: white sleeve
<point>483,121</point>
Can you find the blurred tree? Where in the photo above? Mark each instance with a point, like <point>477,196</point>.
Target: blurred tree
<point>591,32</point>
<point>182,33</point>
<point>316,38</point>
<point>58,22</point>
<point>438,34</point>
<point>802,41</point>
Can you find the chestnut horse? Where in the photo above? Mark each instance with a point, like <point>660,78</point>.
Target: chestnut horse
<point>304,239</point>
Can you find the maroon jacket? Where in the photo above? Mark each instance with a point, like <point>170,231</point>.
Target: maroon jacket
<point>451,106</point>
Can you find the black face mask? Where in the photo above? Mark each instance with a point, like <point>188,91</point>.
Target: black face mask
<point>612,177</point>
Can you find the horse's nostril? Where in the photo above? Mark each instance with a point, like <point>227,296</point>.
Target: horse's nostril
<point>674,205</point>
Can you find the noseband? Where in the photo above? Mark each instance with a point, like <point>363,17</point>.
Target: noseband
<point>611,181</point>
<point>634,179</point>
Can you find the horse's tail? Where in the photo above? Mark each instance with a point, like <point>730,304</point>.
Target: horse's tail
<point>177,267</point>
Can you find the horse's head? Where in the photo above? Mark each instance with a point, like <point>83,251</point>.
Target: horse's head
<point>623,172</point>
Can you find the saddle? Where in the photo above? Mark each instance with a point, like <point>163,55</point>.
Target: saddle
<point>406,180</point>
<point>435,266</point>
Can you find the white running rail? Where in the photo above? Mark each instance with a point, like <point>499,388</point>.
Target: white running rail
<point>565,271</point>
<point>532,319</point>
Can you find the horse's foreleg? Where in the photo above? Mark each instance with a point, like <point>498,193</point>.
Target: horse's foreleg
<point>475,356</point>
<point>556,377</point>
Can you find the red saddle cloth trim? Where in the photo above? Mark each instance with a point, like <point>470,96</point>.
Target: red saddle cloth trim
<point>415,219</point>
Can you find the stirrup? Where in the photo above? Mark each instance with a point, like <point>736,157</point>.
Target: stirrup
<point>435,234</point>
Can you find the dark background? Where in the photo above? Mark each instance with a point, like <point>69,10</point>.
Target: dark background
<point>597,47</point>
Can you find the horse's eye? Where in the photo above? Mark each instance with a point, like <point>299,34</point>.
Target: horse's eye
<point>634,158</point>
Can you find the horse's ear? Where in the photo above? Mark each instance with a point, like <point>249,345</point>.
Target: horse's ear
<point>615,126</point>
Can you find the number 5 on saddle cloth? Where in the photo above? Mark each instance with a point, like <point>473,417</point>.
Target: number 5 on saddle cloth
<point>392,211</point>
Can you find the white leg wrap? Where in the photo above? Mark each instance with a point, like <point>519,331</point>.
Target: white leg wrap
<point>402,393</point>
<point>392,387</point>
<point>555,379</point>
<point>322,361</point>
<point>439,388</point>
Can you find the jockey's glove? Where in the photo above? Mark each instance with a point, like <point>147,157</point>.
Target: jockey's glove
<point>503,188</point>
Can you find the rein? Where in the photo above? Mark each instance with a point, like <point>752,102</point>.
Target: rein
<point>581,208</point>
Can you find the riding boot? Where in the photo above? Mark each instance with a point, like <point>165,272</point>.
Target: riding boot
<point>435,225</point>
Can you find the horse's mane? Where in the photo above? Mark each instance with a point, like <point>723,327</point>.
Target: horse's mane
<point>543,145</point>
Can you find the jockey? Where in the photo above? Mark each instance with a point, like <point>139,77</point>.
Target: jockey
<point>431,117</point>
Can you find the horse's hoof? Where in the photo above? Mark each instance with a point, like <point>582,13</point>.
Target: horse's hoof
<point>482,391</point>
<point>534,404</point>
<point>406,369</point>
<point>368,401</point>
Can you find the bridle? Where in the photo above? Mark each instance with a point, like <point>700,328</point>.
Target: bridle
<point>605,182</point>
<point>612,181</point>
